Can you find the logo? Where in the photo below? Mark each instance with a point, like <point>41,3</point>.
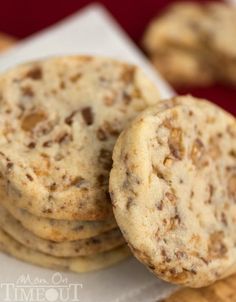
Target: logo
<point>26,289</point>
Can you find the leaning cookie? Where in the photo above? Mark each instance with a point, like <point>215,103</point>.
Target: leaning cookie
<point>59,120</point>
<point>59,230</point>
<point>173,186</point>
<point>84,247</point>
<point>76,264</point>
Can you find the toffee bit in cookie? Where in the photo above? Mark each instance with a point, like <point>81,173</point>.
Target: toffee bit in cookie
<point>29,177</point>
<point>216,246</point>
<point>151,267</point>
<point>214,150</point>
<point>168,161</point>
<point>126,97</point>
<point>31,145</point>
<point>35,73</point>
<point>47,211</point>
<point>129,203</point>
<point>176,276</point>
<point>101,134</point>
<point>157,172</point>
<point>197,151</point>
<point>87,115</point>
<point>47,144</point>
<point>53,187</point>
<point>171,197</point>
<point>164,255</point>
<point>31,120</point>
<point>211,192</point>
<point>4,156</point>
<point>79,182</point>
<point>27,91</point>
<point>64,138</point>
<point>9,166</point>
<point>175,143</point>
<point>160,205</point>
<point>232,153</point>
<point>174,222</point>
<point>126,157</point>
<point>180,254</point>
<point>128,74</point>
<point>69,119</point>
<point>108,129</point>
<point>113,128</point>
<point>167,123</point>
<point>204,260</point>
<point>231,130</point>
<point>74,78</point>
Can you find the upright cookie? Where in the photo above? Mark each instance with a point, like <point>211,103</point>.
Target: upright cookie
<point>173,186</point>
<point>59,120</point>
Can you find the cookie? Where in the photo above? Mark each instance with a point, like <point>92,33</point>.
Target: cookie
<point>177,26</point>
<point>173,186</point>
<point>77,264</point>
<point>206,30</point>
<point>183,67</point>
<point>85,247</point>
<point>59,120</point>
<point>221,29</point>
<point>59,230</point>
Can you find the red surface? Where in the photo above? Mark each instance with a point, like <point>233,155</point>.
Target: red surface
<point>24,17</point>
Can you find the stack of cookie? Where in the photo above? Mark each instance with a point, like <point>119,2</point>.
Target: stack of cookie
<point>194,44</point>
<point>59,121</point>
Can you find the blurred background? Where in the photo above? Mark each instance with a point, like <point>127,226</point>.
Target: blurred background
<point>21,19</point>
